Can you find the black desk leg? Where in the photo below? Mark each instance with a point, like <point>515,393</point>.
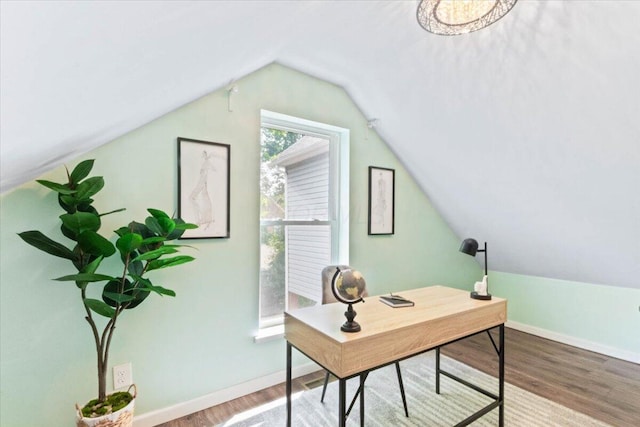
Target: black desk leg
<point>342,417</point>
<point>437,370</point>
<point>288,385</point>
<point>362,378</point>
<point>501,376</point>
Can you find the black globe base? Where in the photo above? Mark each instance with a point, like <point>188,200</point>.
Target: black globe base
<point>350,325</point>
<point>476,295</point>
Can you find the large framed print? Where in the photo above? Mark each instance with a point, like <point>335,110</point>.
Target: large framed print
<point>203,187</point>
<point>381,200</point>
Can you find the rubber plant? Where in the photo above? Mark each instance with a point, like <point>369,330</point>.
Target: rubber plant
<point>142,248</point>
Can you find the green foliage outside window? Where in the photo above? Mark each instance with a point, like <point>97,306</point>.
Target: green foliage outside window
<point>272,206</point>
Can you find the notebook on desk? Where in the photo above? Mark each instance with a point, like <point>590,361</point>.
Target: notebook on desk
<point>396,301</point>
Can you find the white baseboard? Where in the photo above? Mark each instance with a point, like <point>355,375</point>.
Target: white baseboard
<point>629,356</point>
<point>179,410</point>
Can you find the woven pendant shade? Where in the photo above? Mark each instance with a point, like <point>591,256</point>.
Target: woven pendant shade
<point>452,17</point>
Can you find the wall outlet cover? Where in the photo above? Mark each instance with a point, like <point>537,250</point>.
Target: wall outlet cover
<point>122,376</point>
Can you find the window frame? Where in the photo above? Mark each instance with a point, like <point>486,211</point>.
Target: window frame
<point>339,141</point>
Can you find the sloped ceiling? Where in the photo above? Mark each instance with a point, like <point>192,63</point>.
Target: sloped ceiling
<point>525,134</point>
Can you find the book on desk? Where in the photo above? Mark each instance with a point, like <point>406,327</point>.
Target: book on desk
<point>396,301</point>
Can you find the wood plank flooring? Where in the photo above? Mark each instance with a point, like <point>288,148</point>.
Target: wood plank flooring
<point>602,387</point>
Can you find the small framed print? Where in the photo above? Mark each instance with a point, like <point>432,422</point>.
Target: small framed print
<point>381,200</point>
<point>203,187</point>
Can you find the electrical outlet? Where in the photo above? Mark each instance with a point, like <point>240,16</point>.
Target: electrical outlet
<point>122,376</point>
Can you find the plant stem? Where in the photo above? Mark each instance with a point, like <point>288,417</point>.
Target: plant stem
<point>107,334</point>
<point>102,377</point>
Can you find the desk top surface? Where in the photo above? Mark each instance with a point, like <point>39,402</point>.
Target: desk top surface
<point>431,303</point>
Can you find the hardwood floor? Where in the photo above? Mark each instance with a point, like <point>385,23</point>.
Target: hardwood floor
<point>602,387</point>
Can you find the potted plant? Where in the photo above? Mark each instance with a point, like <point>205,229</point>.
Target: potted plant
<point>142,248</point>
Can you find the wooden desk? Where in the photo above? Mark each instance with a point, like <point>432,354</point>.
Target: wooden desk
<point>440,316</point>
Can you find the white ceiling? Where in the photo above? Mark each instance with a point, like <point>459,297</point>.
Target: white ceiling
<point>525,134</point>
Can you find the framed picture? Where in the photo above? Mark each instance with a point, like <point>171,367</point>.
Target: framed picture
<point>203,187</point>
<point>381,200</point>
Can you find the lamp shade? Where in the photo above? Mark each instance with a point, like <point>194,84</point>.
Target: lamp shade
<point>452,17</point>
<point>469,247</point>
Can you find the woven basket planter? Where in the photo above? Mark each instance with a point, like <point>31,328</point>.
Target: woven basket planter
<point>120,418</point>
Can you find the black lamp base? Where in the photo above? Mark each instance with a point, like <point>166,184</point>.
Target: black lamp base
<point>350,325</point>
<point>476,295</point>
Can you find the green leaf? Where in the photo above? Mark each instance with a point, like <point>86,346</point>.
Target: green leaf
<point>93,243</point>
<point>82,260</point>
<point>93,266</point>
<point>136,267</point>
<point>42,242</point>
<point>151,240</point>
<point>122,231</point>
<point>181,226</point>
<point>137,291</point>
<point>81,221</point>
<point>114,287</point>
<point>169,262</point>
<point>89,269</point>
<point>151,287</point>
<point>157,213</point>
<point>169,245</point>
<point>154,225</point>
<point>100,307</point>
<point>164,291</point>
<point>128,243</point>
<point>59,188</point>
<point>81,171</point>
<point>68,202</point>
<point>186,226</point>
<point>160,290</point>
<point>68,233</point>
<point>139,296</point>
<point>167,225</point>
<point>85,277</point>
<point>119,298</point>
<point>156,253</point>
<point>89,187</point>
<point>85,206</point>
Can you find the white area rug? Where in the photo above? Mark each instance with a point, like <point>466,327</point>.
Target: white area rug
<point>383,404</point>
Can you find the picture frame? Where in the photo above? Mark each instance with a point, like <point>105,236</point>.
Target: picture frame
<point>381,201</point>
<point>204,187</point>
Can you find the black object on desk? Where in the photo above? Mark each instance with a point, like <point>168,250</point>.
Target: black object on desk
<point>396,301</point>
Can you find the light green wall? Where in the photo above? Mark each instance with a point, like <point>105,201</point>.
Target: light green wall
<point>201,341</point>
<point>607,316</point>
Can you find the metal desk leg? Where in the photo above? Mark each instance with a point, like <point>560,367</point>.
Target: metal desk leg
<point>288,385</point>
<point>404,397</point>
<point>363,377</point>
<point>342,417</point>
<point>501,377</point>
<point>437,370</point>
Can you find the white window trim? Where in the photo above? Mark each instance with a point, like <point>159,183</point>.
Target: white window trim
<point>270,333</point>
<point>339,139</point>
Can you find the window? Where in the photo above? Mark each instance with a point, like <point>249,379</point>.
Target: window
<point>304,217</point>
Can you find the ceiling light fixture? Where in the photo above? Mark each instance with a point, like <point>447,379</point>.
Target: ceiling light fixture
<point>453,17</point>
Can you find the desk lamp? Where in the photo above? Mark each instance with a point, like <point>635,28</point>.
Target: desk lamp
<point>470,247</point>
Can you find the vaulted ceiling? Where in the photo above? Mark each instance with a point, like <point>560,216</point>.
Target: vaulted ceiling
<point>525,134</point>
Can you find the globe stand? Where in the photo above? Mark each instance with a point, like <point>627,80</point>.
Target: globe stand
<point>350,325</point>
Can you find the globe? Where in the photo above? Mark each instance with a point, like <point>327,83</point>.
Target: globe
<point>348,286</point>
